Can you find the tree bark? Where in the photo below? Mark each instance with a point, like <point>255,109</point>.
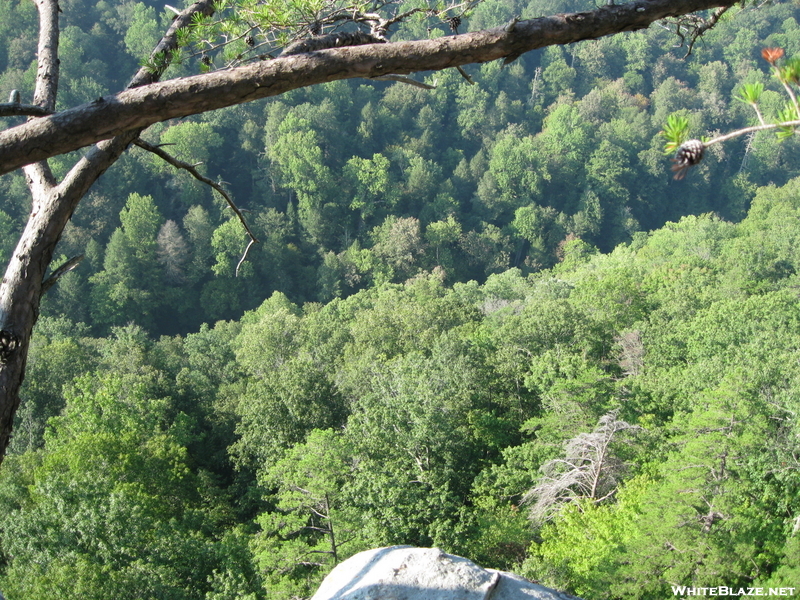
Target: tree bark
<point>115,114</point>
<point>116,120</point>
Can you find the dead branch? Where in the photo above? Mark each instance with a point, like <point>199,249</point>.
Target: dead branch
<point>465,75</point>
<point>704,26</point>
<point>179,164</point>
<point>244,255</point>
<point>589,471</point>
<point>60,272</point>
<point>692,27</point>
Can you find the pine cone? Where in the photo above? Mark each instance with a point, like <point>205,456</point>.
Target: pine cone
<point>250,41</point>
<point>454,22</point>
<point>689,154</point>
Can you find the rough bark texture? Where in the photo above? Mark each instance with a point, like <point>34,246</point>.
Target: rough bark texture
<point>118,119</point>
<point>138,108</point>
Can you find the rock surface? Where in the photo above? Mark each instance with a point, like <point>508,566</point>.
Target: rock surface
<point>408,573</point>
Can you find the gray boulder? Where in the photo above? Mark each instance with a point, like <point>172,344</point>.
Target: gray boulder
<point>408,573</point>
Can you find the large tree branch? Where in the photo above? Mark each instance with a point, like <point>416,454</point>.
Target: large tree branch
<point>138,108</point>
<point>47,65</point>
<point>20,291</point>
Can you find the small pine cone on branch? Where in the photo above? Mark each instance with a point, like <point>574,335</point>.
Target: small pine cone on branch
<point>689,154</point>
<point>454,22</point>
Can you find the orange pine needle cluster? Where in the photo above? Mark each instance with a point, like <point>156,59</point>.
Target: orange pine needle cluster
<point>771,55</point>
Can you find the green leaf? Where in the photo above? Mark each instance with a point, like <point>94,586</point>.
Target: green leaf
<point>675,131</point>
<point>788,113</point>
<point>789,72</point>
<point>750,93</point>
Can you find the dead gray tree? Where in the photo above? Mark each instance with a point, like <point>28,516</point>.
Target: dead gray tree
<point>589,470</point>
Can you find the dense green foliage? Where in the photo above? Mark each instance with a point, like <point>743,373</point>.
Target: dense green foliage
<point>354,184</point>
<point>453,288</point>
<point>243,459</point>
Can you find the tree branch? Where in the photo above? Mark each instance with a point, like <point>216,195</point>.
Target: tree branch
<point>101,157</point>
<point>47,69</point>
<point>13,109</point>
<point>39,177</point>
<point>61,271</point>
<point>744,130</point>
<point>179,164</point>
<point>465,75</point>
<point>138,108</point>
<point>244,255</point>
<point>703,26</point>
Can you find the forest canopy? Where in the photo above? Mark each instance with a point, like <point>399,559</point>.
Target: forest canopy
<point>458,296</point>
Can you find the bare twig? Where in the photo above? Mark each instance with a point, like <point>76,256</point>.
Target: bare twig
<point>179,164</point>
<point>704,26</point>
<point>692,26</point>
<point>244,255</point>
<point>465,75</point>
<point>60,272</point>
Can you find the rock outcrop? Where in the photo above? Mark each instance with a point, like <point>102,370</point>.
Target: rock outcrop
<point>408,573</point>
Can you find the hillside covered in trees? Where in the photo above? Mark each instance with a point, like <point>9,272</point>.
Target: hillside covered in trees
<point>482,317</point>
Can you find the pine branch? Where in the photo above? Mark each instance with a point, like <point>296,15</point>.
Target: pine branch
<point>745,130</point>
<point>135,109</point>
